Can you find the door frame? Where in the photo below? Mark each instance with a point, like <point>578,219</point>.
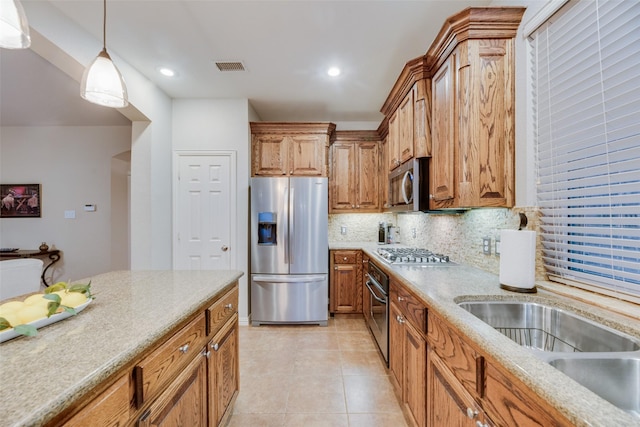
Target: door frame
<point>233,191</point>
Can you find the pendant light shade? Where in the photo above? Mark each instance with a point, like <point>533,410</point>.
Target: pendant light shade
<point>14,28</point>
<point>102,82</point>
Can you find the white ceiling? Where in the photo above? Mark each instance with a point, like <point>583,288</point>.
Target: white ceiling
<point>286,47</point>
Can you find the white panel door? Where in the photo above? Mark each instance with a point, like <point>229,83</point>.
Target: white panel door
<point>205,211</point>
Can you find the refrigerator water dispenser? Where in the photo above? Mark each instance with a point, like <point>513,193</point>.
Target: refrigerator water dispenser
<point>267,228</point>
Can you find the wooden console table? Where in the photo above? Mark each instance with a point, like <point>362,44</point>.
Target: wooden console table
<point>53,255</point>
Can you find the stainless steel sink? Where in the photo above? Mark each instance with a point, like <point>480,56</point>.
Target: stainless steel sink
<point>602,359</point>
<point>550,329</point>
<point>616,380</point>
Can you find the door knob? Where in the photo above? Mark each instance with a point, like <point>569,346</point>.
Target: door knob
<point>225,248</point>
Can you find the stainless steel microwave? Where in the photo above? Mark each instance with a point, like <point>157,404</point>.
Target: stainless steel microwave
<point>409,186</point>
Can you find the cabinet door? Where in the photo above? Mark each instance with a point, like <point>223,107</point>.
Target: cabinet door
<point>444,120</point>
<point>183,402</point>
<point>487,150</point>
<point>405,118</point>
<point>223,371</point>
<point>384,174</point>
<point>344,289</point>
<point>367,171</point>
<point>422,118</point>
<point>343,176</point>
<point>396,345</point>
<point>394,141</point>
<point>415,374</point>
<point>307,155</point>
<point>111,408</point>
<point>270,155</point>
<point>449,404</point>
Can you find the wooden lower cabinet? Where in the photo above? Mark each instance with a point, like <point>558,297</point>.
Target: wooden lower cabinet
<point>183,402</point>
<point>110,408</point>
<point>224,373</point>
<point>345,282</point>
<point>408,362</point>
<point>449,403</point>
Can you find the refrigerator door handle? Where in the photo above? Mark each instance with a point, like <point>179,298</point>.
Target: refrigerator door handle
<point>285,220</point>
<point>290,279</point>
<point>292,234</point>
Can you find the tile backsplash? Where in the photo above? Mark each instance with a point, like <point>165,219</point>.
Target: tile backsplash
<point>460,236</point>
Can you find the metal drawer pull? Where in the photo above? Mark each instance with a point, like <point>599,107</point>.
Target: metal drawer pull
<point>229,306</point>
<point>183,349</point>
<point>215,347</point>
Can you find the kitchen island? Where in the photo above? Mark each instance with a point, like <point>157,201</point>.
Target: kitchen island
<point>133,313</point>
<point>441,288</point>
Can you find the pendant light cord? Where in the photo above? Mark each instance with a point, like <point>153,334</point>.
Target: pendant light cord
<point>104,25</point>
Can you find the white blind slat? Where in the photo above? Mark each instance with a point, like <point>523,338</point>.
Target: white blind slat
<point>586,113</point>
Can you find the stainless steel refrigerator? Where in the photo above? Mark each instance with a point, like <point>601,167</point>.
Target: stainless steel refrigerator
<point>289,250</point>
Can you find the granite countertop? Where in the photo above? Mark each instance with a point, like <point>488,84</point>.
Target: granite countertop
<point>41,376</point>
<point>444,286</point>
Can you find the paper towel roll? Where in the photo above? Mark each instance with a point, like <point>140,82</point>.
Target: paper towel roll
<point>518,260</point>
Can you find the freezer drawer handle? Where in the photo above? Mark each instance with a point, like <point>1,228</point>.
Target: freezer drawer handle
<point>290,279</point>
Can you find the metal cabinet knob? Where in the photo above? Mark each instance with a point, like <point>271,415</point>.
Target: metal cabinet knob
<point>229,306</point>
<point>400,319</point>
<point>184,348</point>
<point>344,259</point>
<point>480,424</point>
<point>471,413</point>
<point>215,347</point>
<point>206,353</point>
<point>401,298</point>
<point>225,248</point>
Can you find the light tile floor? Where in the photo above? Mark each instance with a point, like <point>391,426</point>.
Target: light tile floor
<point>313,376</point>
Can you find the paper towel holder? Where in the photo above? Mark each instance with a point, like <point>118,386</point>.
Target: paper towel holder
<point>520,290</point>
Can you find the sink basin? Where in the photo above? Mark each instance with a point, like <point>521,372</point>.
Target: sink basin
<point>616,380</point>
<point>548,328</point>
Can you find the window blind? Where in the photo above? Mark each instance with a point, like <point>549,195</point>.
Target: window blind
<point>585,76</point>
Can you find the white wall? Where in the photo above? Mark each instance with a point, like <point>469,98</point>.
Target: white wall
<point>205,124</point>
<point>73,166</point>
<point>150,112</point>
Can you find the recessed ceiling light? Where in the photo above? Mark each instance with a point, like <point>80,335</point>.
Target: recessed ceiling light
<point>167,72</point>
<point>333,71</point>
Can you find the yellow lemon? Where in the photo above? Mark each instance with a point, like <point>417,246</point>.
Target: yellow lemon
<point>73,299</point>
<point>29,313</point>
<point>12,318</point>
<point>36,299</point>
<point>11,306</point>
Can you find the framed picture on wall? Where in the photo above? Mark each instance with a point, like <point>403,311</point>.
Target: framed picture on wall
<point>20,201</point>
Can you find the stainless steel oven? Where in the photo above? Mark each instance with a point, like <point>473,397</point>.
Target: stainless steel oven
<point>378,319</point>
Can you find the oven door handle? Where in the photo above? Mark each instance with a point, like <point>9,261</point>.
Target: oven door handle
<point>373,294</point>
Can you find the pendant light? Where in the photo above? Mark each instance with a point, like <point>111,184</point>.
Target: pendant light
<point>102,82</point>
<point>14,28</point>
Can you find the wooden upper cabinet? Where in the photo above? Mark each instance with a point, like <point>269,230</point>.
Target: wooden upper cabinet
<point>405,123</point>
<point>355,178</point>
<point>443,135</point>
<point>394,142</point>
<point>473,118</point>
<point>290,149</point>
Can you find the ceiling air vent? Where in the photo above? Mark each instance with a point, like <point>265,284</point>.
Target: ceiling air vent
<point>230,65</point>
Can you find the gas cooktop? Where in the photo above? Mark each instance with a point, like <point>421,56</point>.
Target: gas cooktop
<point>413,256</point>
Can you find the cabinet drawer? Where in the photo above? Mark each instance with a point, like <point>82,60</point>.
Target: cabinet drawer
<point>464,362</point>
<point>110,408</point>
<point>153,372</point>
<point>412,308</point>
<point>221,311</point>
<point>345,257</point>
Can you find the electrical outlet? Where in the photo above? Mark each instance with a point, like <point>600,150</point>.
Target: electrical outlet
<point>343,230</point>
<point>486,245</point>
<point>414,233</point>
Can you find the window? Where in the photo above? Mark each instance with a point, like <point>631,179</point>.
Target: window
<point>585,69</point>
